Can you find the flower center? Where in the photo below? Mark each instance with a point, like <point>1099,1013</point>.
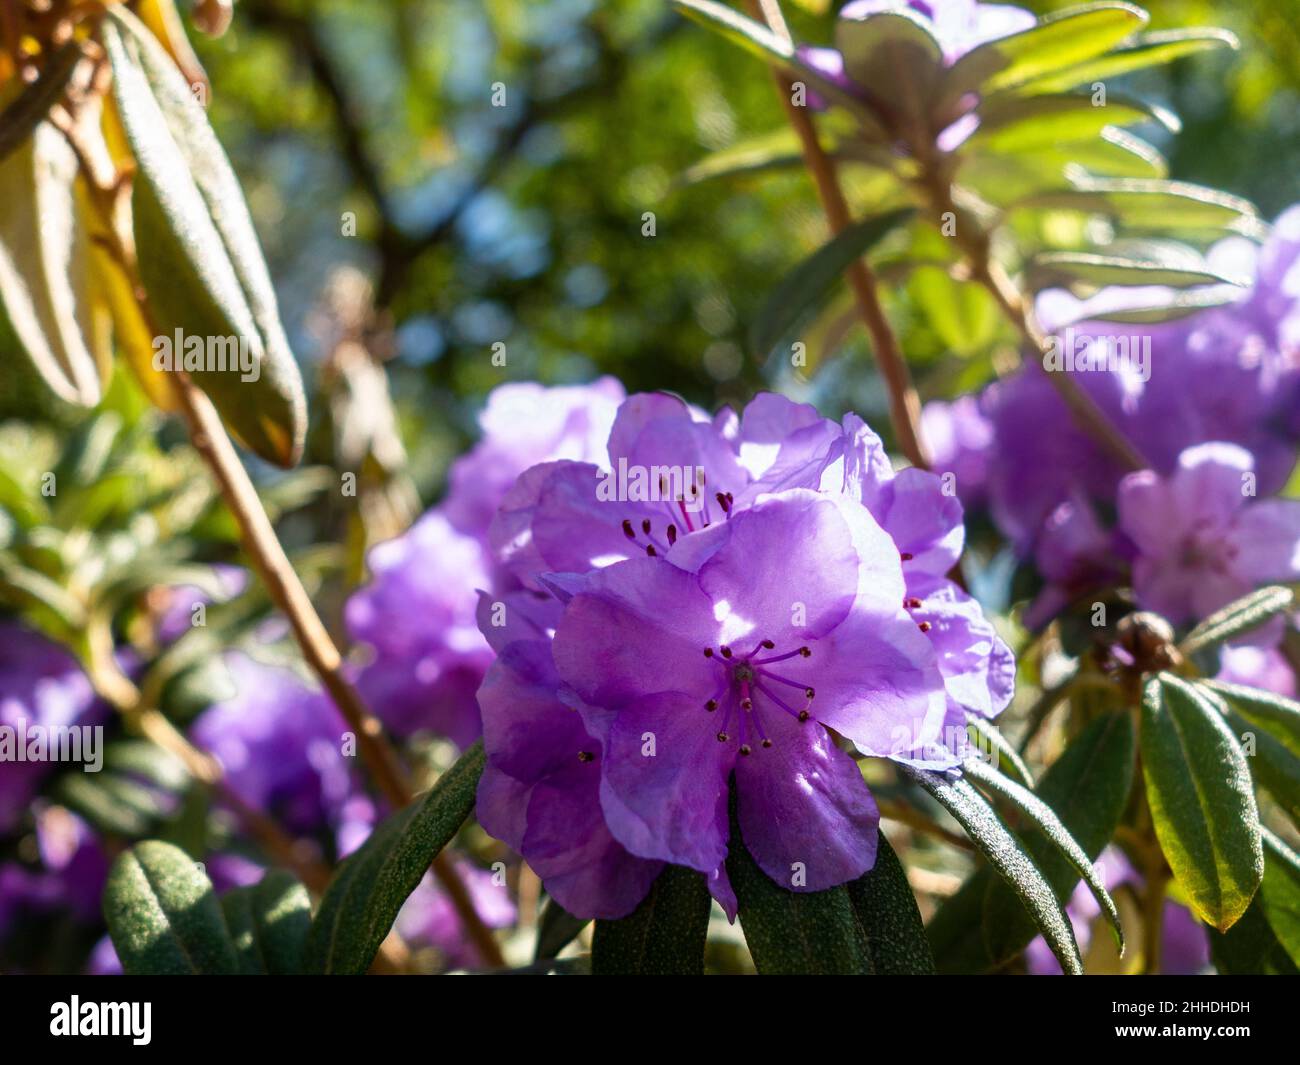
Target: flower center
<point>748,683</point>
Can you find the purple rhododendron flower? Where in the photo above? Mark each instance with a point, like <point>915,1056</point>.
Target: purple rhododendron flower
<point>725,589</point>
<point>958,436</point>
<point>42,686</point>
<point>429,917</point>
<point>416,616</point>
<point>1201,538</point>
<point>1258,667</point>
<point>1184,946</point>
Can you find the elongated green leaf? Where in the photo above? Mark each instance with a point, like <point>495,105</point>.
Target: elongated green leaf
<point>1006,855</point>
<point>794,933</point>
<point>1198,788</point>
<point>1274,713</point>
<point>45,300</point>
<point>998,750</point>
<point>758,40</point>
<point>1250,947</point>
<point>199,256</point>
<point>1273,766</point>
<point>1162,308</point>
<point>1148,50</point>
<point>1161,267</point>
<point>664,936</point>
<point>163,915</point>
<point>962,313</point>
<point>883,900</point>
<point>369,888</point>
<point>1140,205</point>
<point>802,290</point>
<point>1040,814</point>
<point>268,923</point>
<point>1018,124</point>
<point>1248,612</point>
<point>556,929</point>
<point>1281,893</point>
<point>895,59</point>
<point>1056,43</point>
<point>984,925</point>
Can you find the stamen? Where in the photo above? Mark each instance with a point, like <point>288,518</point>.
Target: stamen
<point>627,529</point>
<point>801,715</point>
<point>711,705</point>
<point>907,556</point>
<point>585,756</point>
<point>803,652</point>
<point>925,626</point>
<point>645,526</point>
<point>726,651</point>
<point>708,652</point>
<point>911,602</point>
<point>769,675</point>
<point>724,501</point>
<point>650,550</point>
<point>672,534</point>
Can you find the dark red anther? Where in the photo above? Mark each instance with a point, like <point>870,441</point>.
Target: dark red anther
<point>747,704</point>
<point>726,652</point>
<point>810,693</point>
<point>711,705</point>
<point>645,526</point>
<point>585,756</point>
<point>911,602</point>
<point>627,530</point>
<point>767,743</point>
<point>924,626</point>
<point>744,748</point>
<point>907,556</point>
<point>650,550</point>
<point>724,501</point>
<point>723,737</point>
<point>672,535</point>
<point>708,652</point>
<point>806,652</point>
<point>768,644</point>
<point>803,716</point>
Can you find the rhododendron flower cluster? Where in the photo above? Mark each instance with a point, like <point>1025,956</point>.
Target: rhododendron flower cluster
<point>789,590</point>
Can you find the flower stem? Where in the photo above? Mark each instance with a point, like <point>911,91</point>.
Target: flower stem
<point>904,405</point>
<point>209,438</point>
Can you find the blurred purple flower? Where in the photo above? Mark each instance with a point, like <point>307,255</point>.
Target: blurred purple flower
<point>958,436</point>
<point>40,685</point>
<point>429,917</point>
<point>1258,667</point>
<point>1184,946</point>
<point>177,615</point>
<point>1201,539</point>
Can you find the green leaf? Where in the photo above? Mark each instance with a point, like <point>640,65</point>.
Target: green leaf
<point>369,888</point>
<point>45,277</point>
<point>1160,309</point>
<point>760,41</point>
<point>1250,947</point>
<point>1056,43</point>
<point>894,58</point>
<point>1018,124</point>
<point>1141,205</point>
<point>1148,50</point>
<point>1006,855</point>
<point>996,748</point>
<point>984,925</point>
<point>962,313</point>
<point>1272,765</point>
<point>1041,815</point>
<point>883,901</point>
<point>1198,788</point>
<point>1248,612</point>
<point>1162,265</point>
<point>1280,892</point>
<point>163,916</point>
<point>1275,714</point>
<point>200,260</point>
<point>664,936</point>
<point>556,929</point>
<point>802,290</point>
<point>268,924</point>
<point>794,933</point>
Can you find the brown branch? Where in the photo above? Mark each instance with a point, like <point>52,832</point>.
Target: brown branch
<point>904,405</point>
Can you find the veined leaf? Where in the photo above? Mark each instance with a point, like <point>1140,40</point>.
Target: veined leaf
<point>199,256</point>
<point>1074,269</point>
<point>1250,947</point>
<point>163,915</point>
<point>984,925</point>
<point>1148,206</point>
<point>1148,50</point>
<point>794,933</point>
<point>45,294</point>
<point>883,901</point>
<point>1042,815</point>
<point>268,924</point>
<point>1198,788</point>
<point>664,936</point>
<point>962,313</point>
<point>1274,713</point>
<point>1058,42</point>
<point>369,888</point>
<point>998,750</point>
<point>1010,125</point>
<point>1273,766</point>
<point>1281,892</point>
<point>1006,855</point>
<point>1248,612</point>
<point>801,290</point>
